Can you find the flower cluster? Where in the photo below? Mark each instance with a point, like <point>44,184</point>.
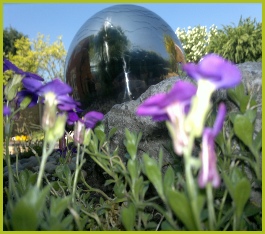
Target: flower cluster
<point>59,106</point>
<point>185,108</point>
<point>195,41</point>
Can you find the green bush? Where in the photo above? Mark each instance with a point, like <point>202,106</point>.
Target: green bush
<point>238,44</point>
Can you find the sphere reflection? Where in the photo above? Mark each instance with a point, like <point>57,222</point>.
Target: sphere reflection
<point>118,53</point>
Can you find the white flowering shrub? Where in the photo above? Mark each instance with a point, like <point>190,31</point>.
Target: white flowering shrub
<point>195,40</point>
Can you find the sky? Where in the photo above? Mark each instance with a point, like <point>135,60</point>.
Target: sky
<point>66,19</point>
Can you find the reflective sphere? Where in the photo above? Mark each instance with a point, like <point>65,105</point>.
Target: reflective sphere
<point>118,53</point>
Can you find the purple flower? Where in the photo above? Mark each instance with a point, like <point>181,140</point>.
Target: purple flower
<point>57,92</point>
<point>91,118</point>
<point>6,110</point>
<point>83,125</point>
<point>31,84</point>
<point>72,117</point>
<point>25,93</point>
<point>212,72</point>
<point>208,172</point>
<point>172,106</point>
<point>10,66</point>
<point>220,72</point>
<point>157,105</point>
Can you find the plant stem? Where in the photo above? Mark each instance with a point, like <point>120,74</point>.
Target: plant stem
<point>222,205</point>
<point>167,215</point>
<point>11,183</point>
<point>45,155</point>
<point>191,186</point>
<point>77,169</point>
<point>212,219</point>
<point>257,163</point>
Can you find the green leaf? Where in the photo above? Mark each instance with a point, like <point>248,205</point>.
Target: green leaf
<point>257,143</point>
<point>63,172</point>
<point>59,205</point>
<point>228,183</point>
<point>119,190</point>
<point>26,213</point>
<point>169,179</point>
<point>108,182</point>
<point>232,116</point>
<point>112,132</point>
<point>154,174</point>
<point>128,216</point>
<point>181,208</point>
<point>237,95</point>
<point>133,169</point>
<point>26,180</point>
<point>131,143</point>
<point>244,129</point>
<point>100,134</point>
<point>241,195</point>
<point>165,226</point>
<point>24,217</point>
<point>251,114</point>
<point>139,186</point>
<point>251,209</point>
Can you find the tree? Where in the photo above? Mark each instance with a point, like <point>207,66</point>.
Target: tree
<point>10,35</point>
<point>40,56</point>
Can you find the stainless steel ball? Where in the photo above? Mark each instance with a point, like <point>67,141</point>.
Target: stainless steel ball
<point>118,53</point>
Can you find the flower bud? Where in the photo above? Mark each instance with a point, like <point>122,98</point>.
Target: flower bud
<point>59,127</point>
<point>87,136</point>
<point>12,87</point>
<point>26,101</point>
<point>79,132</point>
<point>49,116</point>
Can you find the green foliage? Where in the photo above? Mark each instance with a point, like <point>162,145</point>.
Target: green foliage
<point>10,35</point>
<point>39,56</point>
<point>137,194</point>
<point>238,44</point>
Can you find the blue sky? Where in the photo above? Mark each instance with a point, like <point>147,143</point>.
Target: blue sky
<point>65,19</point>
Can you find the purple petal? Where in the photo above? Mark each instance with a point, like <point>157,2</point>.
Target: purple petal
<point>218,124</point>
<point>216,69</point>
<point>155,106</point>
<point>66,103</point>
<point>33,76</point>
<point>56,86</point>
<point>181,91</point>
<point>10,66</point>
<point>25,93</point>
<point>91,118</point>
<point>31,84</point>
<point>152,106</point>
<point>224,73</point>
<point>160,118</point>
<point>192,70</point>
<point>208,172</point>
<point>72,117</point>
<point>6,110</point>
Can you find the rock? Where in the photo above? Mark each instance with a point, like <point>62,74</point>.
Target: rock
<point>50,167</point>
<point>123,116</point>
<point>155,135</point>
<point>252,80</point>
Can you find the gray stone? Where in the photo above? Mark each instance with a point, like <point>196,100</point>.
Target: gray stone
<point>123,116</point>
<point>50,167</point>
<point>155,135</point>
